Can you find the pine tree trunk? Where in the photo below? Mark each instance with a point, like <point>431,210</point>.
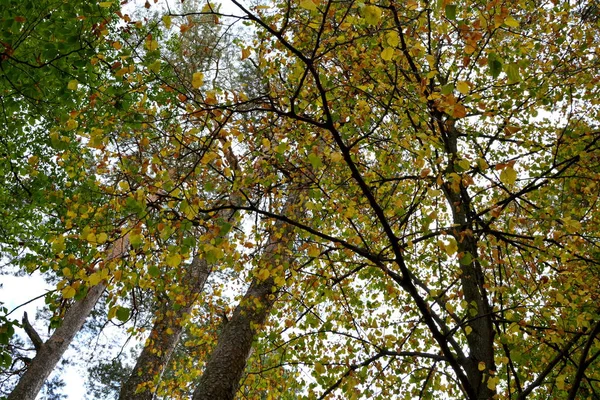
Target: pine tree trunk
<point>53,349</point>
<point>221,377</point>
<point>165,335</point>
<point>224,369</point>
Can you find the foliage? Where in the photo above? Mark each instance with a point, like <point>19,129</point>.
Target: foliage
<point>442,163</point>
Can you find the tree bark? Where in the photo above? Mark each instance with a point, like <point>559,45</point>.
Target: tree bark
<point>224,369</point>
<point>164,336</point>
<point>53,349</point>
<point>168,326</point>
<point>481,339</point>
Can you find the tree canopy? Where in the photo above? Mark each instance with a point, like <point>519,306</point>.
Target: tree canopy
<point>316,198</point>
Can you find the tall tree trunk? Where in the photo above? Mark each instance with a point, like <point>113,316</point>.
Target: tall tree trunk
<point>481,339</point>
<point>168,326</point>
<point>50,352</point>
<point>221,377</point>
<point>164,336</point>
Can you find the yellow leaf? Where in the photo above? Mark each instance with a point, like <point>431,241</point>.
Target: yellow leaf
<point>481,366</point>
<point>173,260</point>
<point>510,21</point>
<point>464,164</point>
<point>492,382</point>
<point>71,124</point>
<point>68,292</point>
<point>263,274</point>
<point>67,272</point>
<point>152,45</point>
<point>166,19</point>
<point>117,45</point>
<point>246,52</point>
<point>91,237</point>
<point>105,4</point>
<point>463,87</point>
<point>197,79</point>
<point>372,14</point>
<point>72,85</point>
<point>319,368</point>
<point>308,5</point>
<point>508,176</point>
<point>393,39</point>
<point>451,247</point>
<point>468,330</point>
<point>387,53</point>
<point>313,251</point>
<point>94,279</point>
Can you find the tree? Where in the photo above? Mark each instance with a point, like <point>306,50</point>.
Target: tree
<point>444,240</point>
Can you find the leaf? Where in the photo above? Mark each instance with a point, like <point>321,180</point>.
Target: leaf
<point>451,247</point>
<point>313,251</point>
<point>495,66</point>
<point>512,71</point>
<point>510,21</point>
<point>105,4</point>
<point>94,279</point>
<point>154,271</point>
<point>73,84</point>
<point>68,292</point>
<point>466,259</point>
<point>122,314</point>
<point>308,5</point>
<point>481,366</point>
<point>393,39</point>
<point>197,79</point>
<point>155,66</point>
<point>451,11</point>
<point>246,52</point>
<point>173,260</point>
<point>387,53</point>
<point>319,368</point>
<point>315,161</point>
<point>372,14</point>
<point>508,176</point>
<point>166,19</point>
<point>463,87</point>
<point>101,238</point>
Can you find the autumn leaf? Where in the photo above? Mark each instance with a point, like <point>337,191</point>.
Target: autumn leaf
<point>508,176</point>
<point>387,53</point>
<point>308,5</point>
<point>372,14</point>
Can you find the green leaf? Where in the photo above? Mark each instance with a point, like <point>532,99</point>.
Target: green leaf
<point>451,11</point>
<point>123,314</point>
<point>512,71</point>
<point>466,259</point>
<point>495,65</point>
<point>314,160</point>
<point>154,271</point>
